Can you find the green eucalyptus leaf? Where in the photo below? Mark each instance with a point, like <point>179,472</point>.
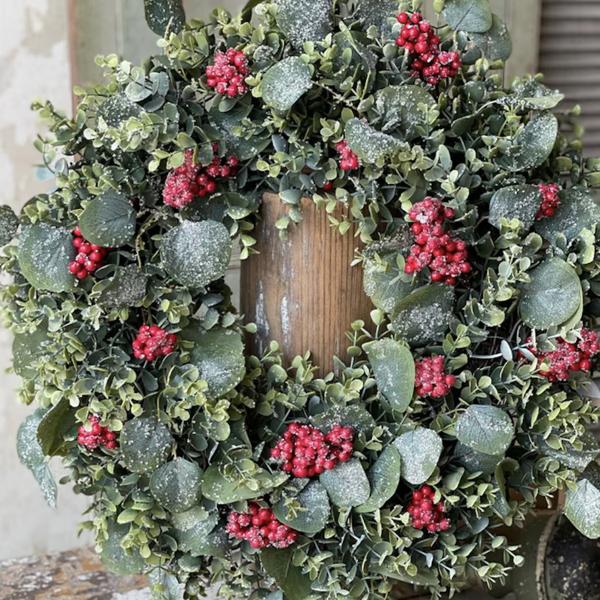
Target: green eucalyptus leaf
<point>165,585</point>
<point>347,484</point>
<point>468,15</point>
<point>377,13</point>
<point>304,20</point>
<point>194,529</point>
<point>44,255</point>
<point>394,369</point>
<point>27,349</point>
<point>279,564</point>
<point>552,295</point>
<point>369,144</point>
<point>145,444</point>
<point>126,289</point>
<point>420,451</point>
<point>176,484</point>
<point>515,202</point>
<point>495,43</point>
<point>582,505</point>
<point>117,109</point>
<point>485,429</point>
<point>384,282</point>
<point>196,254</point>
<point>285,83</point>
<point>314,510</point>
<point>53,427</point>
<point>533,94</point>
<point>384,477</point>
<point>9,223</point>
<point>163,15</point>
<point>108,220</point>
<point>424,316</point>
<point>476,462</point>
<point>117,559</point>
<point>575,457</point>
<point>353,415</point>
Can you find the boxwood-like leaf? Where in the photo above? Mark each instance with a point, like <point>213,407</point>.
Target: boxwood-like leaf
<point>108,220</point>
<point>163,14</point>
<point>285,83</point>
<point>420,451</point>
<point>468,15</point>
<point>304,20</point>
<point>424,316</point>
<point>278,564</point>
<point>53,427</point>
<point>314,512</point>
<point>485,429</point>
<point>145,444</point>
<point>9,223</point>
<point>347,484</point>
<point>176,484</point>
<point>369,144</point>
<point>394,369</point>
<point>582,506</point>
<point>384,477</point>
<point>515,202</point>
<point>219,356</point>
<point>552,295</point>
<point>44,255</point>
<point>116,558</point>
<point>196,254</point>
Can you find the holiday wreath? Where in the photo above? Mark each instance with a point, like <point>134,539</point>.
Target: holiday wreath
<point>465,404</point>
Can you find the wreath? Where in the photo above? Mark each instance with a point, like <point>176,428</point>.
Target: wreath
<point>465,403</point>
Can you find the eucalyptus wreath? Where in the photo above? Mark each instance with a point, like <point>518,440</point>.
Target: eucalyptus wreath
<point>466,402</point>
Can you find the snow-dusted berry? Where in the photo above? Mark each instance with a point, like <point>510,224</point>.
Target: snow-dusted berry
<point>153,342</point>
<point>260,528</point>
<point>348,159</point>
<point>549,200</point>
<point>427,514</point>
<point>89,258</point>
<point>228,73</point>
<point>431,378</point>
<point>92,435</point>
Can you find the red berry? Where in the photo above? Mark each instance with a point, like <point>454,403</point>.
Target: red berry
<point>431,378</point>
<point>228,72</point>
<point>152,343</point>
<point>348,159</point>
<point>92,435</point>
<point>260,528</point>
<point>425,514</point>
<point>550,200</point>
<point>89,256</point>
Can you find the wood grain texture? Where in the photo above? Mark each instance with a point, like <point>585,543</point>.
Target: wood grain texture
<point>303,292</point>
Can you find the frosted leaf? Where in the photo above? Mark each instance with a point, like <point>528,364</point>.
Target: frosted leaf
<point>574,457</point>
<point>532,145</point>
<point>27,349</point>
<point>394,370</point>
<point>354,416</point>
<point>420,451</point>
<point>468,15</point>
<point>304,20</point>
<point>188,519</point>
<point>116,558</point>
<point>117,109</point>
<point>347,484</point>
<point>582,506</point>
<point>384,477</point>
<point>536,95</point>
<point>384,282</point>
<point>9,223</point>
<point>515,202</point>
<point>552,296</point>
<point>164,14</point>
<point>495,44</point>
<point>219,356</point>
<point>425,315</point>
<point>369,144</point>
<point>145,444</point>
<point>196,254</point>
<point>485,429</point>
<point>127,288</point>
<point>285,83</point>
<point>108,220</point>
<point>176,484</point>
<point>377,13</point>
<point>314,512</point>
<point>44,255</point>
<point>476,462</point>
<point>195,532</point>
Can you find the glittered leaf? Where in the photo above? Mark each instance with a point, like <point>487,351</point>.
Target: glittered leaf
<point>196,254</point>
<point>176,484</point>
<point>313,513</point>
<point>108,220</point>
<point>552,296</point>
<point>582,506</point>
<point>53,427</point>
<point>377,13</point>
<point>468,15</point>
<point>117,109</point>
<point>285,83</point>
<point>420,451</point>
<point>9,223</point>
<point>44,255</point>
<point>279,565</point>
<point>384,477</point>
<point>394,370</point>
<point>476,462</point>
<point>535,95</point>
<point>145,444</point>
<point>127,288</point>
<point>495,43</point>
<point>164,14</point>
<point>369,144</point>
<point>354,416</point>
<point>193,529</point>
<point>576,456</point>
<point>515,202</point>
<point>485,429</point>
<point>347,484</point>
<point>385,283</point>
<point>117,559</point>
<point>304,20</point>
<point>27,349</point>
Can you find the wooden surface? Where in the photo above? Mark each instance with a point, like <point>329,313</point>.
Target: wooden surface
<point>303,292</point>
<point>75,575</point>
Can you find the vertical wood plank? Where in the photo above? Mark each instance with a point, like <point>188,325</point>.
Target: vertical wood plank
<point>524,22</point>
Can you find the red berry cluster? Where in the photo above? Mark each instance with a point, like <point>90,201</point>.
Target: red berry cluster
<point>425,513</point>
<point>152,342</point>
<point>348,160</point>
<point>445,255</point>
<point>431,378</point>
<point>419,39</point>
<point>92,435</point>
<point>228,72</point>
<point>305,451</point>
<point>549,193</point>
<point>569,358</point>
<point>190,180</point>
<point>260,528</point>
<point>89,256</point>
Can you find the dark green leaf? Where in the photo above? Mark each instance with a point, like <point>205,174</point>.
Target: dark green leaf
<point>485,429</point>
<point>495,44</point>
<point>145,444</point>
<point>176,484</point>
<point>468,15</point>
<point>369,144</point>
<point>354,415</point>
<point>476,462</point>
<point>53,427</point>
<point>384,282</point>
<point>194,529</point>
<point>9,223</point>
<point>420,451</point>
<point>279,565</point>
<point>384,477</point>
<point>126,289</point>
<point>117,109</point>
<point>582,506</point>
<point>304,20</point>
<point>285,83</point>
<point>164,14</point>
<point>27,349</point>
<point>313,514</point>
<point>575,457</point>
<point>347,484</point>
<point>116,558</point>
<point>377,13</point>
<point>108,220</point>
<point>165,586</point>
<point>515,202</point>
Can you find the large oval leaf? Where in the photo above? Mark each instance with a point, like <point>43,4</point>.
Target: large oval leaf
<point>552,296</point>
<point>515,202</point>
<point>582,506</point>
<point>384,282</point>
<point>145,444</point>
<point>377,13</point>
<point>116,558</point>
<point>354,415</point>
<point>384,477</point>
<point>313,513</point>
<point>304,20</point>
<point>476,462</point>
<point>420,451</point>
<point>9,223</point>
<point>108,220</point>
<point>44,255</point>
<point>127,288</point>
<point>196,254</point>
<point>285,83</point>
<point>394,369</point>
<point>485,429</point>
<point>176,484</point>
<point>468,15</point>
<point>279,564</point>
<point>163,15</point>
<point>27,349</point>
<point>193,529</point>
<point>424,316</point>
<point>347,484</point>
<point>369,144</point>
<point>495,44</point>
